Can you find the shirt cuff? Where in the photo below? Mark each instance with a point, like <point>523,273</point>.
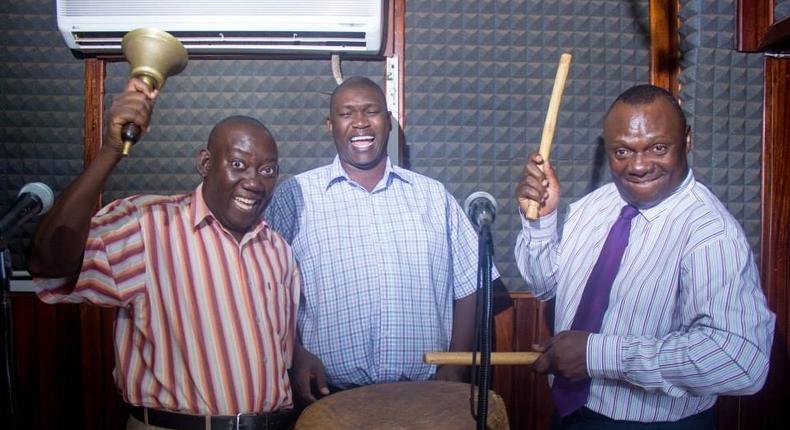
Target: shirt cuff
<point>604,356</point>
<point>46,284</point>
<point>542,228</point>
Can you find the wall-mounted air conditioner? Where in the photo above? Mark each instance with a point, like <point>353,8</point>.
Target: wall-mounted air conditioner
<point>232,26</point>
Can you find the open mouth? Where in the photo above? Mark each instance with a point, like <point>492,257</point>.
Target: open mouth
<point>362,142</point>
<point>245,204</point>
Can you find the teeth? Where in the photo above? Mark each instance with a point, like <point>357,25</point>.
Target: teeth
<point>244,203</point>
<point>362,143</point>
<point>361,138</point>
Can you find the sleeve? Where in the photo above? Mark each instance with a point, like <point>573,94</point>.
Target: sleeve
<point>294,284</point>
<point>536,252</point>
<point>282,213</point>
<point>464,248</point>
<point>113,264</point>
<point>724,344</point>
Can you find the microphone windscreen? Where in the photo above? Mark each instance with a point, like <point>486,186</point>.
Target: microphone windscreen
<point>479,195</point>
<point>42,191</point>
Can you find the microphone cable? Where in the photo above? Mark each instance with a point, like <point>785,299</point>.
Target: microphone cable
<point>481,375</point>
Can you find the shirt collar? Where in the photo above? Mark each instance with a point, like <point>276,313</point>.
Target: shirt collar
<point>654,212</point>
<point>202,216</point>
<point>337,174</point>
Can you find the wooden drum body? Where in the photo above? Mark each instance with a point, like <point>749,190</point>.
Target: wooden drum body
<point>429,405</point>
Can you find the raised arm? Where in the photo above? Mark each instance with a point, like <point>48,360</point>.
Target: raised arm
<point>59,241</point>
<point>537,241</point>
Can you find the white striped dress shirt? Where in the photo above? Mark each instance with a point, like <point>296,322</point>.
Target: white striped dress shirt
<point>687,319</point>
<point>205,324</point>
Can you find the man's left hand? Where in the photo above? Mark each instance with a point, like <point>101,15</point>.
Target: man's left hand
<point>564,354</point>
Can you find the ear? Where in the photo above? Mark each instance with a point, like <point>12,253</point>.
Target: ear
<point>203,162</point>
<point>688,139</point>
<point>389,120</point>
<point>328,125</point>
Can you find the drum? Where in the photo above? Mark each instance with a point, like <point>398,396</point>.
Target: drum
<point>429,405</point>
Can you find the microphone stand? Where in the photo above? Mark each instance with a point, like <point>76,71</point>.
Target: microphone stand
<point>483,323</point>
<point>8,398</point>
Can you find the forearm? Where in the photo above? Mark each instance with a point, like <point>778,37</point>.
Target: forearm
<point>536,256</point>
<point>700,362</point>
<point>59,241</point>
<point>464,323</point>
<point>462,338</point>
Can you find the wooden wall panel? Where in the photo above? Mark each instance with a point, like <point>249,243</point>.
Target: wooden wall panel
<point>519,324</point>
<point>399,45</point>
<point>752,20</point>
<point>102,407</point>
<point>775,241</point>
<point>94,106</point>
<point>664,42</point>
<point>47,364</point>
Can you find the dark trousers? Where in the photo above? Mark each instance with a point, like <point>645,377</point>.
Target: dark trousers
<point>585,419</point>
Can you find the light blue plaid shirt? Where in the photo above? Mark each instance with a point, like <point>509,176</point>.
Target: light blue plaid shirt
<point>380,269</point>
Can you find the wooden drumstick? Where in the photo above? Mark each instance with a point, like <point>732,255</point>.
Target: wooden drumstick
<point>465,358</point>
<point>530,207</point>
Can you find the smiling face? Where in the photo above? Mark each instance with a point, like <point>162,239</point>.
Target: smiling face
<point>646,144</point>
<point>360,125</point>
<point>239,170</point>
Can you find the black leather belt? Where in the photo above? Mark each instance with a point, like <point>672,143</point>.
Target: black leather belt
<point>281,420</point>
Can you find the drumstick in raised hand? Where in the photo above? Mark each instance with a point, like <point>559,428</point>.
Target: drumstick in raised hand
<point>465,358</point>
<point>530,207</point>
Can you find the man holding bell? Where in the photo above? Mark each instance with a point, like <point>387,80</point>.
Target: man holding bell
<point>206,293</point>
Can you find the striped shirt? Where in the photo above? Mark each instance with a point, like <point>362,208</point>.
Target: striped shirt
<point>687,319</point>
<point>205,324</point>
<point>381,269</point>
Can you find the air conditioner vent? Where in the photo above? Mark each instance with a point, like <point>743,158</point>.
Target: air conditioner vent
<point>87,8</point>
<point>278,26</point>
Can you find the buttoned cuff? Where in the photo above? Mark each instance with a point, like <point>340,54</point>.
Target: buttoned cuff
<point>604,356</point>
<point>542,228</point>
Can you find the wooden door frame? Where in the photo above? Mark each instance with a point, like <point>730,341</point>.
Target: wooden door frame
<point>664,44</point>
<point>769,406</point>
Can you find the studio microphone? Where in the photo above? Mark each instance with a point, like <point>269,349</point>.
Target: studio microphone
<point>480,207</point>
<point>33,199</point>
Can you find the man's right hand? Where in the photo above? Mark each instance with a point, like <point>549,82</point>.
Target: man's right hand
<point>135,104</point>
<point>306,369</point>
<point>538,185</point>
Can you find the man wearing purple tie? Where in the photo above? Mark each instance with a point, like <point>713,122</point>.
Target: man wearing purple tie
<point>658,304</point>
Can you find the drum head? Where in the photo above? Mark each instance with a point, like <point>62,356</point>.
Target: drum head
<point>429,405</point>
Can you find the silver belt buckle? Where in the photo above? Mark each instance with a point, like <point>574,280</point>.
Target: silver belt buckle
<point>241,414</point>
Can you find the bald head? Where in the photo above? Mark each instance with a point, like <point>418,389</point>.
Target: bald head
<point>356,83</point>
<point>235,123</point>
<point>646,94</point>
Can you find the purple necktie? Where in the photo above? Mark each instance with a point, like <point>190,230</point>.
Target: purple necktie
<point>570,395</point>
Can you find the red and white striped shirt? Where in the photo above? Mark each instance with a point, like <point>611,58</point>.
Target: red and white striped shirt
<point>205,324</point>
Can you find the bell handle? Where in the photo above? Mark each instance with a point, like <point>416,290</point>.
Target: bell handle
<point>130,133</point>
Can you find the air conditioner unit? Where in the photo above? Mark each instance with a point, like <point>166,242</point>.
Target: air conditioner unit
<point>229,26</point>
